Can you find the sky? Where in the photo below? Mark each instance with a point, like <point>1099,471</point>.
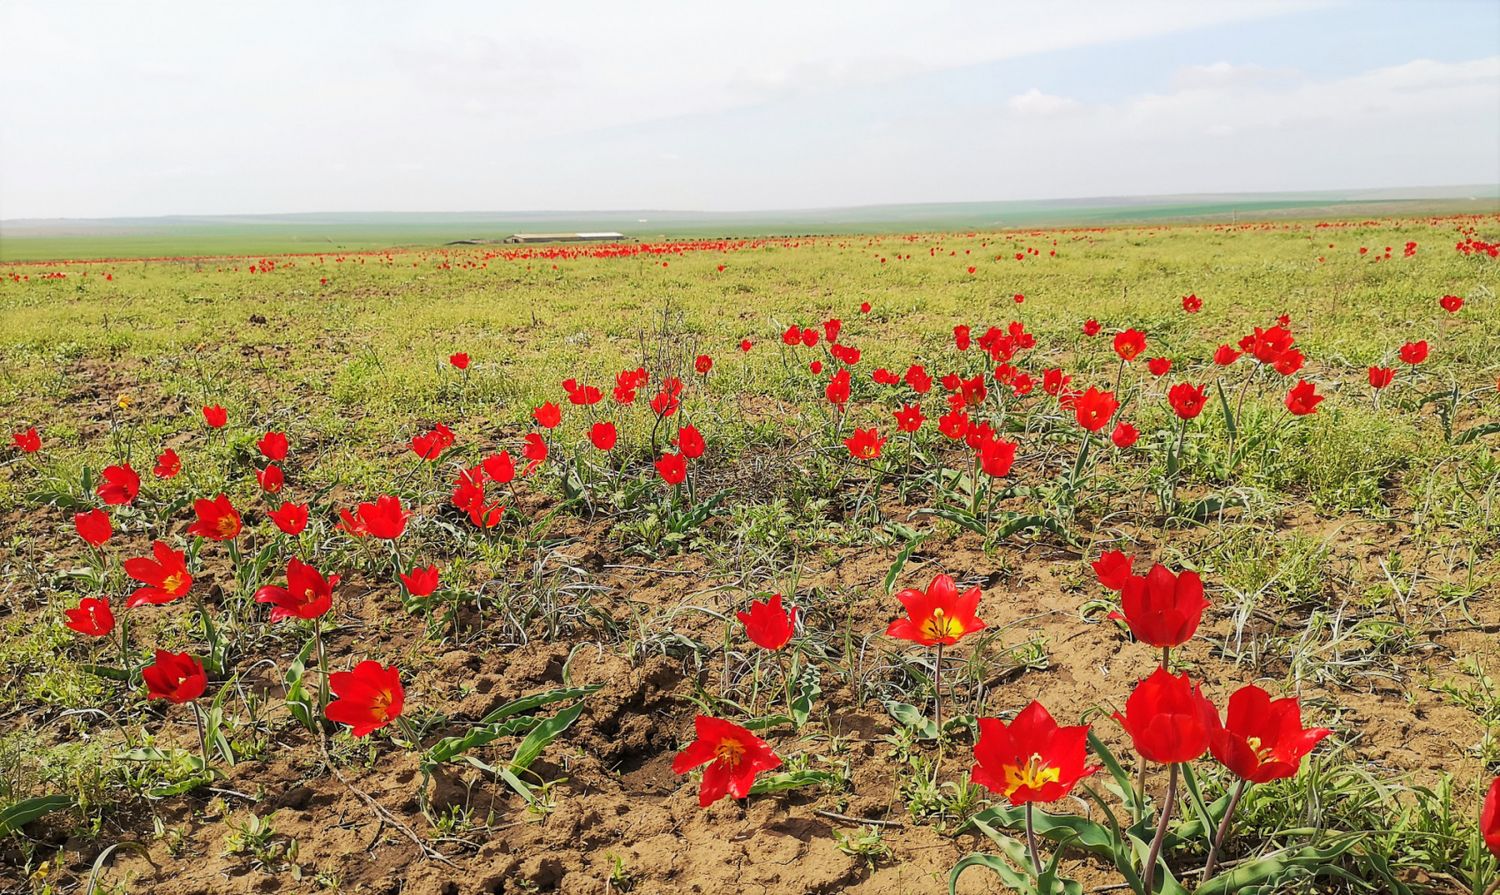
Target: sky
<point>160,107</point>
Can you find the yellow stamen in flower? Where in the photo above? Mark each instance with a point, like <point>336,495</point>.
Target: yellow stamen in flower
<point>1262,752</point>
<point>1033,775</point>
<point>171,583</point>
<point>941,626</point>
<point>380,706</point>
<point>730,752</point>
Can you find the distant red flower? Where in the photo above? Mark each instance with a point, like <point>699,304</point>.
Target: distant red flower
<point>291,518</point>
<point>816,367</point>
<point>215,416</point>
<point>118,485</point>
<point>1113,569</point>
<point>1303,398</point>
<point>92,617</point>
<point>548,415</point>
<point>384,518</point>
<point>273,446</point>
<point>997,457</point>
<point>1380,377</point>
<point>1159,366</point>
<point>1451,303</point>
<point>916,377</point>
<point>1414,352</point>
<point>734,757</point>
<point>1262,739</point>
<point>271,478</point>
<point>164,577</point>
<point>307,594</point>
<point>909,418</point>
<point>1054,380</point>
<point>369,697</point>
<point>810,337</point>
<point>218,520</point>
<point>939,615</point>
<point>961,337</point>
<point>864,307</point>
<point>864,444</point>
<point>500,468</point>
<point>176,677</point>
<point>459,361</point>
<point>535,452</point>
<point>1091,327</point>
<point>832,328</point>
<point>1187,400</point>
<point>954,424</point>
<point>1168,718</point>
<point>672,468</point>
<point>1161,608</point>
<point>690,442</point>
<point>1288,362</point>
<point>168,464</point>
<point>746,345</point>
<point>1489,818</point>
<point>837,391</point>
<point>792,337</point>
<point>1225,355</point>
<point>421,581</point>
<point>1031,760</point>
<point>1094,408</point>
<point>1129,344</point>
<point>767,624</point>
<point>94,527</point>
<point>1192,304</point>
<point>603,435</point>
<point>28,442</point>
<point>431,444</point>
<point>1124,435</point>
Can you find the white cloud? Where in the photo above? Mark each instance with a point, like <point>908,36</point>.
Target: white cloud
<point>1035,103</point>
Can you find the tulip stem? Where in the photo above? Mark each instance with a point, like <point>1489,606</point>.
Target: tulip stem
<point>1036,859</point>
<point>1148,873</point>
<point>1213,851</point>
<point>937,692</point>
<point>322,670</point>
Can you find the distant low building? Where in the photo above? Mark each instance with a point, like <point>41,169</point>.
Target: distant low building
<point>599,236</point>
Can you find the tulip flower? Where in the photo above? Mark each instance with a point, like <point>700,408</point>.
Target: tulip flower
<point>917,379</point>
<point>1129,344</point>
<point>997,457</point>
<point>218,520</point>
<point>909,418</point>
<point>118,485</point>
<point>94,527</point>
<point>168,464</point>
<point>1113,569</point>
<point>175,677</point>
<point>1451,303</point>
<point>1094,408</point>
<point>1489,818</point>
<point>1413,352</point>
<point>702,364</point>
<point>548,415</point>
<point>459,361</point>
<point>307,595</point>
<point>1091,327</point>
<point>28,442</point>
<point>215,416</point>
<point>672,468</point>
<point>1192,304</point>
<point>603,435</point>
<point>535,452</point>
<point>164,577</point>
<point>291,518</point>
<point>690,442</point>
<point>1159,366</point>
<point>1225,355</point>
<point>271,478</point>
<point>1303,398</point>
<point>420,581</point>
<point>733,755</point>
<point>1161,608</point>
<point>864,444</point>
<point>1262,739</point>
<point>273,446</point>
<point>937,617</point>
<point>1187,400</point>
<point>1124,435</point>
<point>431,444</point>
<point>500,468</point>
<point>384,518</point>
<point>767,624</point>
<point>1380,377</point>
<point>91,618</point>
<point>369,697</point>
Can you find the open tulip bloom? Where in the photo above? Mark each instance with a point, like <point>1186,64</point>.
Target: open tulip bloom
<point>732,754</point>
<point>937,617</point>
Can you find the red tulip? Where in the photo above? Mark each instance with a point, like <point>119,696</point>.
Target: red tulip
<point>1225,355</point>
<point>548,415</point>
<point>1489,818</point>
<point>603,435</point>
<point>1129,344</point>
<point>909,418</point>
<point>1192,304</point>
<point>1161,608</point>
<point>218,520</point>
<point>431,444</point>
<point>1159,366</point>
<point>28,442</point>
<point>961,337</point>
<point>92,618</point>
<point>837,391</point>
<point>767,624</point>
<point>291,518</point>
<point>940,615</point>
<point>864,307</point>
<point>1262,739</point>
<point>1451,303</point>
<point>1168,718</point>
<point>273,446</point>
<point>1054,381</point>
<point>1414,352</point>
<point>1091,327</point>
<point>420,581</point>
<point>672,468</point>
<point>1380,377</point>
<point>1303,398</point>
<point>1033,759</point>
<point>93,526</point>
<point>690,442</point>
<point>307,594</point>
<point>459,361</point>
<point>1094,408</point>
<point>118,485</point>
<point>176,677</point>
<point>500,468</point>
<point>916,377</point>
<point>1288,362</point>
<point>1187,400</point>
<point>215,416</point>
<point>1124,435</point>
<point>168,464</point>
<point>369,697</point>
<point>535,452</point>
<point>746,345</point>
<point>270,478</point>
<point>1113,569</point>
<point>163,579</point>
<point>864,444</point>
<point>384,518</point>
<point>734,757</point>
<point>703,363</point>
<point>997,456</point>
